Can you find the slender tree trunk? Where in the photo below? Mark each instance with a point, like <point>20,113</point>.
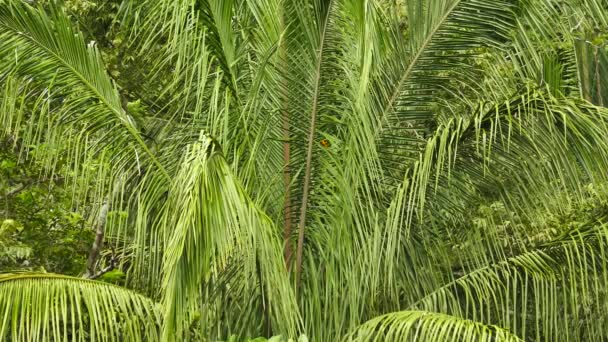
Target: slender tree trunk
<point>99,237</point>
<point>287,220</point>
<point>586,85</point>
<point>287,184</point>
<point>600,99</point>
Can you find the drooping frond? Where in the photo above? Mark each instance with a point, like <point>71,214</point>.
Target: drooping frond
<point>197,41</point>
<point>212,223</point>
<point>502,138</point>
<point>427,326</point>
<point>43,307</point>
<point>548,293</point>
<point>444,38</point>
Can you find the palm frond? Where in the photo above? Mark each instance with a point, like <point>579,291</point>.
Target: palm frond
<point>40,306</point>
<point>427,326</point>
<point>68,73</point>
<point>504,137</point>
<point>210,223</point>
<point>542,294</point>
<point>444,39</point>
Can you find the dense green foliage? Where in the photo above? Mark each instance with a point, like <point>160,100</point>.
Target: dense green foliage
<point>39,231</point>
<point>305,169</point>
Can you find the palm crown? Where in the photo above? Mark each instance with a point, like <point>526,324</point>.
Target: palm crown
<point>319,167</point>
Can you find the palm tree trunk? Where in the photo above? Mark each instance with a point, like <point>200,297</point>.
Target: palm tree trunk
<point>288,249</point>
<point>598,85</point>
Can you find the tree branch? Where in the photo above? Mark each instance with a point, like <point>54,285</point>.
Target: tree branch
<point>98,243</point>
<point>108,268</point>
<point>20,188</point>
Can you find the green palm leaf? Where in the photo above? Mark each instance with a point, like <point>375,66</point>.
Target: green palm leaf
<point>528,293</point>
<point>40,306</point>
<point>212,223</point>
<point>33,43</point>
<point>427,326</point>
<point>444,39</point>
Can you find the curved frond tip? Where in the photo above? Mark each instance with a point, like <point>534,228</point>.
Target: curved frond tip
<point>427,326</point>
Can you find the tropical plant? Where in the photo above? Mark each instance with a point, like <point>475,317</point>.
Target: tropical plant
<point>342,169</point>
<point>38,229</point>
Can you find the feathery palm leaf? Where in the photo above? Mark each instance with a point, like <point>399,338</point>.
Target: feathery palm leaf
<point>62,98</point>
<point>528,293</point>
<point>212,223</point>
<point>40,306</point>
<point>427,326</point>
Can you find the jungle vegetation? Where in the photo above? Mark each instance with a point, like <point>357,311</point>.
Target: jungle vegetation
<point>322,170</point>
